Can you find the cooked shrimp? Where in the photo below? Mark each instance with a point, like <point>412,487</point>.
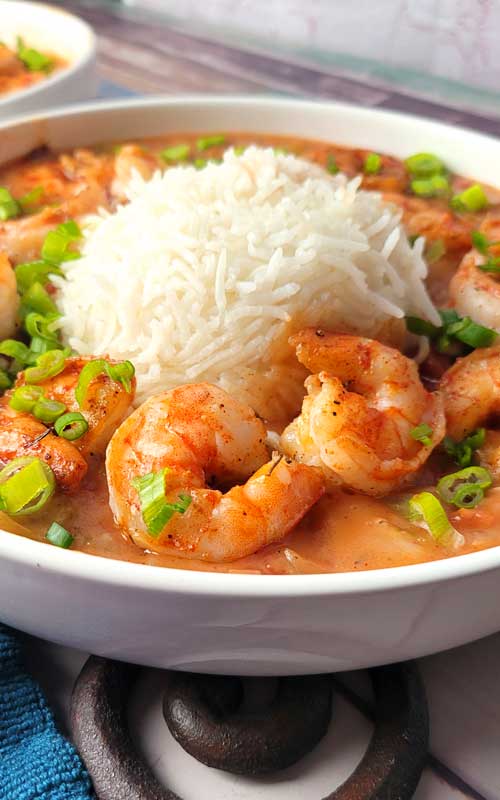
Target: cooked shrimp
<point>434,221</point>
<point>476,293</point>
<point>72,187</point>
<point>471,391</point>
<point>363,401</point>
<point>131,158</point>
<point>201,434</point>
<point>21,435</point>
<point>105,406</point>
<point>9,299</point>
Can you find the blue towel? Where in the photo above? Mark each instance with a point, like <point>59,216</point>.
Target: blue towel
<point>36,762</point>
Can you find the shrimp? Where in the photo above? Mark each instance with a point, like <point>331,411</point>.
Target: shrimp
<point>105,406</point>
<point>363,401</point>
<point>72,187</point>
<point>131,158</point>
<point>200,434</point>
<point>471,391</point>
<point>476,293</point>
<point>9,299</point>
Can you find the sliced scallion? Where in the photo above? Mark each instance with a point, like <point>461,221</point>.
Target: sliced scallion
<point>123,373</point>
<point>471,199</point>
<point>331,164</point>
<point>41,325</point>
<point>71,426</point>
<point>465,488</point>
<point>26,484</point>
<point>372,164</point>
<point>36,298</point>
<point>55,248</point>
<point>47,366</point>
<point>472,334</point>
<point>423,165</point>
<point>426,507</point>
<point>178,152</point>
<point>47,410</point>
<point>9,207</point>
<point>422,327</point>
<point>34,272</point>
<point>492,265</point>
<point>5,380</point>
<point>155,509</point>
<point>31,200</point>
<point>434,186</point>
<point>59,536</point>
<point>24,398</point>
<point>16,350</point>
<point>210,141</point>
<point>33,59</point>
<point>423,434</point>
<point>462,452</point>
<point>435,251</point>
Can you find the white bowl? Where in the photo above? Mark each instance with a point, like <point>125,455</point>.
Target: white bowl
<point>52,30</point>
<point>250,624</point>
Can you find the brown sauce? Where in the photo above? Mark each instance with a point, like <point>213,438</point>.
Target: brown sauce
<point>343,532</point>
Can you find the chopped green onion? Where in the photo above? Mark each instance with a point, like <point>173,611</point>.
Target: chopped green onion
<point>462,452</point>
<point>239,149</point>
<point>36,298</point>
<point>372,164</point>
<point>425,506</point>
<point>14,349</point>
<point>178,152</point>
<point>26,484</point>
<point>210,141</point>
<point>480,241</point>
<point>435,186</point>
<point>59,536</point>
<point>424,165</point>
<point>465,488</point>
<point>5,380</point>
<point>155,509</point>
<point>24,398</point>
<point>40,346</point>
<point>421,327</point>
<point>492,265</point>
<point>422,433</point>
<point>200,163</point>
<point>34,272</point>
<point>9,207</point>
<point>41,325</point>
<point>33,59</point>
<point>47,410</point>
<point>472,334</point>
<point>55,248</point>
<point>47,366</point>
<point>122,372</point>
<point>331,164</point>
<point>448,316</point>
<point>471,199</point>
<point>30,200</point>
<point>435,251</point>
<point>71,426</point>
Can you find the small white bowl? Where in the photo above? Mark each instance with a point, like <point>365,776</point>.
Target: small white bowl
<point>51,30</point>
<point>249,624</point>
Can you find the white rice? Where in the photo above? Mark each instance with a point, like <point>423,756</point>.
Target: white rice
<point>204,274</point>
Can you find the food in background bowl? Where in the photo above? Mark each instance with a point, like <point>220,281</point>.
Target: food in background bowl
<point>24,66</point>
<point>204,278</point>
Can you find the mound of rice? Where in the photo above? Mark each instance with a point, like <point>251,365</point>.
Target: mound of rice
<point>205,273</point>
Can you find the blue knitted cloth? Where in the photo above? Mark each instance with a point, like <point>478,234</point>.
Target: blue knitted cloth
<point>36,762</point>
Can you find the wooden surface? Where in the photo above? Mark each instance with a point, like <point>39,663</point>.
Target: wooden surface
<point>138,54</point>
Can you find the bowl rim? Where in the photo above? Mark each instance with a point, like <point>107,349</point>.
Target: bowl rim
<point>102,570</point>
<point>84,58</point>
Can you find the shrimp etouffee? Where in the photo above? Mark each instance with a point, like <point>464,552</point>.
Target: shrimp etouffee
<point>391,458</point>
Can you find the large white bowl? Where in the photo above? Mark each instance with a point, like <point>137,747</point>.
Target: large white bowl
<point>248,624</point>
<point>52,30</point>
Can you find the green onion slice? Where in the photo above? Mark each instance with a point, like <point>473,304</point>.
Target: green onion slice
<point>9,207</point>
<point>71,426</point>
<point>24,398</point>
<point>33,59</point>
<point>26,484</point>
<point>34,272</point>
<point>30,200</point>
<point>41,325</point>
<point>422,433</point>
<point>38,299</point>
<point>465,488</point>
<point>47,366</point>
<point>59,536</point>
<point>55,248</point>
<point>210,141</point>
<point>435,186</point>
<point>14,349</point>
<point>469,332</point>
<point>492,265</point>
<point>239,149</point>
<point>421,327</point>
<point>435,251</point>
<point>462,452</point>
<point>331,164</point>
<point>123,372</point>
<point>47,410</point>
<point>471,199</point>
<point>179,152</point>
<point>425,506</point>
<point>155,509</point>
<point>5,380</point>
<point>372,164</point>
<point>424,165</point>
<point>481,242</point>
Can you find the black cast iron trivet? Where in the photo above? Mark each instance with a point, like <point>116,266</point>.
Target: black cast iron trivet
<point>207,716</point>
